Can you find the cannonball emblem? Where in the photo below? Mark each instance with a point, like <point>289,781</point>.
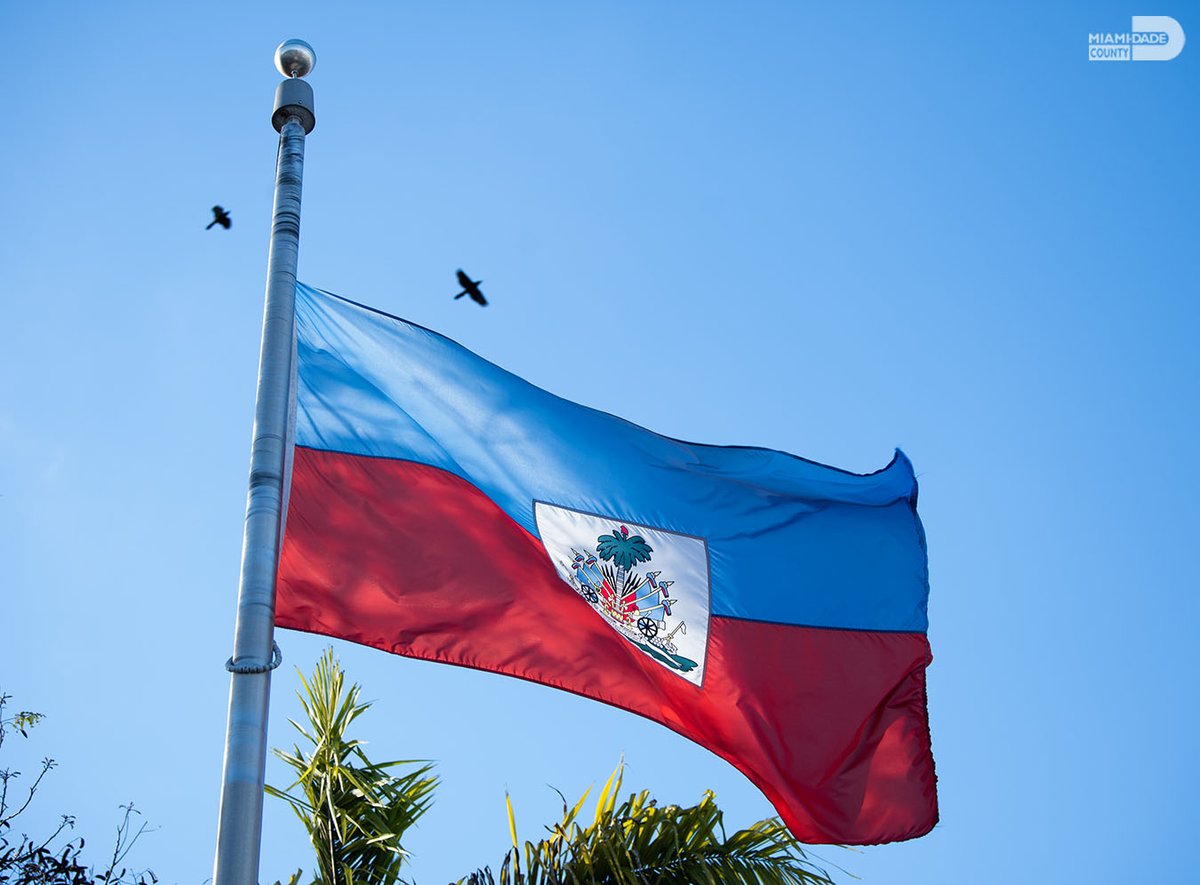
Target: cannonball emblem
<point>295,58</point>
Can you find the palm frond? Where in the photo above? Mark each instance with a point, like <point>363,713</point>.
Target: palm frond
<point>638,842</point>
<point>356,811</point>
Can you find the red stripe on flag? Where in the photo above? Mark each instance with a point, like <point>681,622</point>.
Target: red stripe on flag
<point>830,724</point>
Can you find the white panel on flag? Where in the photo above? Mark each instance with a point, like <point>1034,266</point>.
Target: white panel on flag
<point>651,586</point>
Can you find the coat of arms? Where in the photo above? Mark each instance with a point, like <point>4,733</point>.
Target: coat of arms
<point>649,585</point>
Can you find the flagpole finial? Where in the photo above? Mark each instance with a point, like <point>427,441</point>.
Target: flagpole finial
<point>294,97</point>
<point>295,58</point>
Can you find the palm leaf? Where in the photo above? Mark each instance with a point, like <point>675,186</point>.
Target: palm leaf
<point>356,811</point>
<point>636,842</point>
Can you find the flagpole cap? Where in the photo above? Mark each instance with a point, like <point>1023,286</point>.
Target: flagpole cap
<point>295,58</point>
<point>294,97</point>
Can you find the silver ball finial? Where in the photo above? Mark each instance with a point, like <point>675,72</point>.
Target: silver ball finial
<point>295,58</point>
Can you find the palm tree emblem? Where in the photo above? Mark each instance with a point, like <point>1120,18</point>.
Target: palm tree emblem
<point>625,550</point>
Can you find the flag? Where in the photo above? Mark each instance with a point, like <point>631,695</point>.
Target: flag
<point>770,608</point>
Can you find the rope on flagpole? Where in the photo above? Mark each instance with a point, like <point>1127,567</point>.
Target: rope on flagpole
<point>276,660</point>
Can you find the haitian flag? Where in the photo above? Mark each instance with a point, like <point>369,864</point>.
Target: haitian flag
<point>767,607</point>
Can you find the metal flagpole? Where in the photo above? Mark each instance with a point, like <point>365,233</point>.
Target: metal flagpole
<point>239,821</point>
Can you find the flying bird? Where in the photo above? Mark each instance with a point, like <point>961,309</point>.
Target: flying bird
<point>470,287</point>
<point>221,217</point>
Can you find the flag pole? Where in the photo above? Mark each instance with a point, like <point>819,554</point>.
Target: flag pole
<point>239,821</point>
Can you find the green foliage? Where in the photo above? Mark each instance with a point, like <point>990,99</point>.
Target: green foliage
<point>48,860</point>
<point>356,811</point>
<point>22,722</point>
<point>639,843</point>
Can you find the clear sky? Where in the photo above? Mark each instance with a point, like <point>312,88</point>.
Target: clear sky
<point>832,229</point>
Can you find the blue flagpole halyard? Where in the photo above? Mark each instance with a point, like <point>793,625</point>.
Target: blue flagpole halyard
<point>239,821</point>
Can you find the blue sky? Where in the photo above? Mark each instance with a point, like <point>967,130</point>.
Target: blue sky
<point>838,228</point>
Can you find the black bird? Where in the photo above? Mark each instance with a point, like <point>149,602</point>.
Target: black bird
<point>221,217</point>
<point>470,287</point>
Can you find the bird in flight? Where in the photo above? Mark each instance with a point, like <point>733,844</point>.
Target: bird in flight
<point>470,287</point>
<point>221,217</point>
